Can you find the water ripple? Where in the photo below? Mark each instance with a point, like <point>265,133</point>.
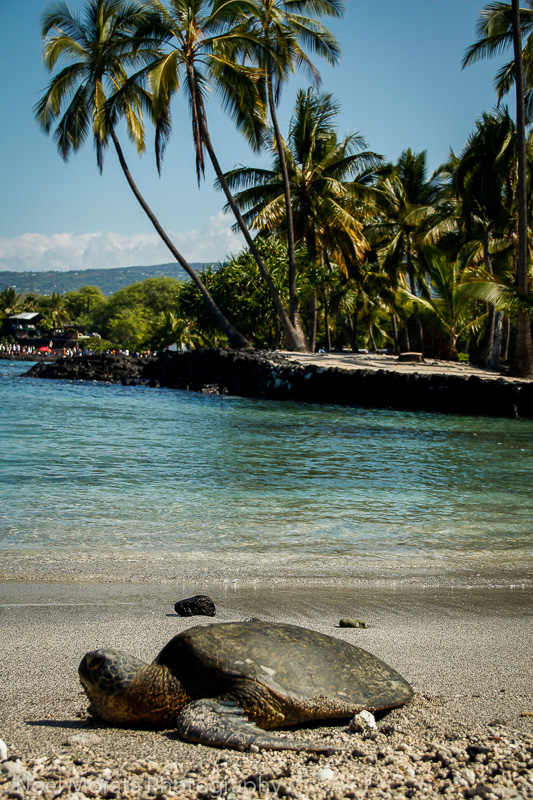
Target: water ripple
<point>93,466</point>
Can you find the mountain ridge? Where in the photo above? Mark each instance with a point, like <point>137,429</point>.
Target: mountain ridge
<point>109,279</point>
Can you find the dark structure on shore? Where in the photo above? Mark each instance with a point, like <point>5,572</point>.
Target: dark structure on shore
<point>273,376</point>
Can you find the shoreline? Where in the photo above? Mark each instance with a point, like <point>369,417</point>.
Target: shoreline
<point>448,570</point>
<point>467,654</point>
<point>334,379</point>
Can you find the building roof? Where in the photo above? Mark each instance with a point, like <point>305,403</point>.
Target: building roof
<point>26,316</point>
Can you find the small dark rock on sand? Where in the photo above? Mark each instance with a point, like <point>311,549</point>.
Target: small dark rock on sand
<point>348,622</point>
<point>200,605</point>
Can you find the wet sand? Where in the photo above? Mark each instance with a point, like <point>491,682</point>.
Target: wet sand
<point>466,652</point>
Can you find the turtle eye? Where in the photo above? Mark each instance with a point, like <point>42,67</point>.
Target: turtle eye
<point>94,661</point>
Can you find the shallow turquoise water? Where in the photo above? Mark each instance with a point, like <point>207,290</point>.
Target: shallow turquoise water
<point>95,466</point>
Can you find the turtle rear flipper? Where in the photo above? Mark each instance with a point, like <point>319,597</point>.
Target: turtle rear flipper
<point>218,722</point>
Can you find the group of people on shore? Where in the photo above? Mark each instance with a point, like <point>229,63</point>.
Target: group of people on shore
<point>10,349</point>
<point>15,349</point>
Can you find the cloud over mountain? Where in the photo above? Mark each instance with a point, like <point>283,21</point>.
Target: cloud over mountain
<point>65,251</point>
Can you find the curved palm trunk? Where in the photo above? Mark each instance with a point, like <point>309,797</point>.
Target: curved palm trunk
<point>294,309</point>
<point>295,339</point>
<point>523,357</point>
<point>236,339</point>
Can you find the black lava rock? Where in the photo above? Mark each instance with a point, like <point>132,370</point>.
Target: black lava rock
<point>109,368</point>
<point>198,606</point>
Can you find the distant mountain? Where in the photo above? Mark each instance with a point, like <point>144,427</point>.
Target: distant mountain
<point>108,280</point>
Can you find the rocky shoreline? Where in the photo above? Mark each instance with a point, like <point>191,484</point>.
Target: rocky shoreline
<point>275,376</point>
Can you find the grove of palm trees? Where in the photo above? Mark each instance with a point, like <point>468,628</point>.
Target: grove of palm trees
<point>344,249</point>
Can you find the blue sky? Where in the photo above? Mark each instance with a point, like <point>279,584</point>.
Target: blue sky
<point>400,84</point>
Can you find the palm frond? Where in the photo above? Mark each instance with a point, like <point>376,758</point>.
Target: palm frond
<point>509,298</point>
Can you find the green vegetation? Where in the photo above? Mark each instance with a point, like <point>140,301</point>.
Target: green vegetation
<point>134,317</point>
<point>343,250</point>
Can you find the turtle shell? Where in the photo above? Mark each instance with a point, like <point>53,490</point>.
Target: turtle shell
<point>294,664</point>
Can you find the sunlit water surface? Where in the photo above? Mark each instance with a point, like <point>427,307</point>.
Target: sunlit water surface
<point>92,468</point>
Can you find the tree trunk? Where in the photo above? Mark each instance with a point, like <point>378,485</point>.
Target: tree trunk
<point>395,334</point>
<point>348,332</point>
<point>486,250</point>
<point>507,340</point>
<point>523,357</point>
<point>407,339</point>
<point>355,327</point>
<point>294,309</point>
<point>451,347</point>
<point>487,343</point>
<point>326,321</point>
<point>236,339</point>
<point>412,285</point>
<point>314,321</point>
<point>497,349</point>
<point>371,334</point>
<point>295,336</point>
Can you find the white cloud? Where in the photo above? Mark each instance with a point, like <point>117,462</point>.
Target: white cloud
<point>37,252</point>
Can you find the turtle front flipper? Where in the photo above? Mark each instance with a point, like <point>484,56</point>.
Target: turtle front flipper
<point>218,722</point>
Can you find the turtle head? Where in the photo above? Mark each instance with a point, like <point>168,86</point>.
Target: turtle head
<point>124,690</point>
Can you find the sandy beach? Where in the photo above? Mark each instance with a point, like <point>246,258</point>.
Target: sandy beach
<point>390,363</point>
<point>466,652</point>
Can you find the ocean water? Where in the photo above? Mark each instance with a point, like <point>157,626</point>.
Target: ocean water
<point>157,476</point>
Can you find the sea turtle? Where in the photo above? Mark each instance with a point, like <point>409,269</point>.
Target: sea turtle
<point>228,684</point>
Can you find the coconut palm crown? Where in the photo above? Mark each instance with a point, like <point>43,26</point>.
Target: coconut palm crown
<point>94,90</point>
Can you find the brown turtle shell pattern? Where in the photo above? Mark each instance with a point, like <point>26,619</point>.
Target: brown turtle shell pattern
<point>305,675</point>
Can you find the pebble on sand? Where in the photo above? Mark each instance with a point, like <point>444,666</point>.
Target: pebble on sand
<point>348,622</point>
<point>199,605</point>
<point>362,721</point>
<point>83,739</point>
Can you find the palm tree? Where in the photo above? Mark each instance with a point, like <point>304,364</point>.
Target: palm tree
<point>448,304</point>
<point>205,41</point>
<point>284,28</point>
<point>58,311</point>
<point>499,26</point>
<point>169,329</point>
<point>10,301</point>
<point>484,177</point>
<point>329,181</point>
<point>495,34</point>
<point>408,206</point>
<point>98,48</point>
<point>29,302</point>
<point>502,294</point>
